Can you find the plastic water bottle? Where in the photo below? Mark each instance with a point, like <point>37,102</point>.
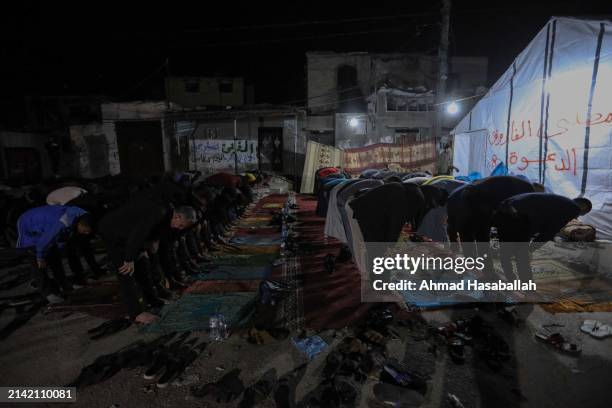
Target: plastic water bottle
<point>284,231</point>
<point>213,325</point>
<point>221,327</point>
<point>494,239</point>
<point>218,327</point>
<point>283,237</point>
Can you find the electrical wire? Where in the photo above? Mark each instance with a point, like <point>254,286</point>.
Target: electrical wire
<point>314,22</point>
<point>145,79</point>
<point>289,39</point>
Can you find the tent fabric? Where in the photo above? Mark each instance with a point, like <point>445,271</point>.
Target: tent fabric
<point>549,117</point>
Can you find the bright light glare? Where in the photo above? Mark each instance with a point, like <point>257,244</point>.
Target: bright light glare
<point>452,108</point>
<point>353,122</point>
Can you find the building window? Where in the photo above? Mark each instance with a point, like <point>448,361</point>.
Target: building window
<point>347,77</point>
<point>400,103</point>
<point>226,87</point>
<point>407,135</point>
<point>192,86</point>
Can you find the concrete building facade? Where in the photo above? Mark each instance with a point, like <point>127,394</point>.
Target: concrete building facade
<point>206,91</point>
<point>385,98</point>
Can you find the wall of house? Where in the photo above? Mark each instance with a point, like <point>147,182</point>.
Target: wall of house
<point>84,138</point>
<point>322,77</point>
<point>247,128</point>
<point>199,91</point>
<point>134,111</point>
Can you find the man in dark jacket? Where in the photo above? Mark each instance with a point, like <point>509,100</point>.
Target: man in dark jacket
<point>127,231</point>
<point>532,216</point>
<point>470,213</point>
<point>383,211</point>
<point>470,208</point>
<point>538,216</point>
<point>43,231</point>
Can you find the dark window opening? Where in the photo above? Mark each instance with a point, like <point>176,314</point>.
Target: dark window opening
<point>347,77</point>
<point>192,87</point>
<point>350,98</point>
<point>226,87</point>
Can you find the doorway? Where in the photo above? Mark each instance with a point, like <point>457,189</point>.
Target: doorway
<point>140,148</point>
<point>270,148</point>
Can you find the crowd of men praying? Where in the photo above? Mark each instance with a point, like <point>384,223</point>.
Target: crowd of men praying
<point>159,233</point>
<point>164,232</point>
<point>377,206</point>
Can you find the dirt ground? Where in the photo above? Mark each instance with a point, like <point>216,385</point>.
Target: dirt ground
<point>50,350</point>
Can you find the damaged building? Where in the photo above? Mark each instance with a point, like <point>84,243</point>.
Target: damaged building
<point>366,98</point>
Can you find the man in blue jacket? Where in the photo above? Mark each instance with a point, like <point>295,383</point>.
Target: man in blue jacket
<point>43,231</point>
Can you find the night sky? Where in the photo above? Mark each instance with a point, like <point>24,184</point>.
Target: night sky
<point>119,49</point>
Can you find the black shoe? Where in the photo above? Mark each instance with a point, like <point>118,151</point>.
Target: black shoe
<point>163,293</point>
<point>456,349</point>
<point>175,367</point>
<point>284,395</point>
<point>344,255</point>
<point>193,270</point>
<point>228,388</point>
<point>164,355</point>
<point>109,328</point>
<point>330,264</point>
<point>155,302</point>
<point>259,391</point>
<point>177,284</point>
<point>149,352</point>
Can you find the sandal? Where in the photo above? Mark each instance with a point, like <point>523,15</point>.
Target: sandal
<point>557,341</point>
<point>596,329</point>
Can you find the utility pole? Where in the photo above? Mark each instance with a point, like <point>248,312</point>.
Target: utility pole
<point>442,73</point>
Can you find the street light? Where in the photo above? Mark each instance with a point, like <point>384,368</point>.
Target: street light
<point>353,122</point>
<point>452,108</point>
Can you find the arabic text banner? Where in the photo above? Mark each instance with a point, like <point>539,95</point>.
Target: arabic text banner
<point>418,155</point>
<point>212,155</point>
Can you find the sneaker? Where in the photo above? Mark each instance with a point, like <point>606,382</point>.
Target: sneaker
<point>54,299</point>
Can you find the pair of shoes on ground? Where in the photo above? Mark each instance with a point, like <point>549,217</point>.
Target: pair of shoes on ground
<point>170,363</point>
<point>108,328</point>
<point>226,389</point>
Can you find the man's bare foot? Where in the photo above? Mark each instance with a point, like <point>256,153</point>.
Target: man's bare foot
<point>146,318</point>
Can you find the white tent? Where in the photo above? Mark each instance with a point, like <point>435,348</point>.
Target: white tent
<point>549,117</point>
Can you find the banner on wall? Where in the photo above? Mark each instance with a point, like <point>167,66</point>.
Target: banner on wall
<point>213,155</point>
<point>411,156</point>
<point>549,117</point>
